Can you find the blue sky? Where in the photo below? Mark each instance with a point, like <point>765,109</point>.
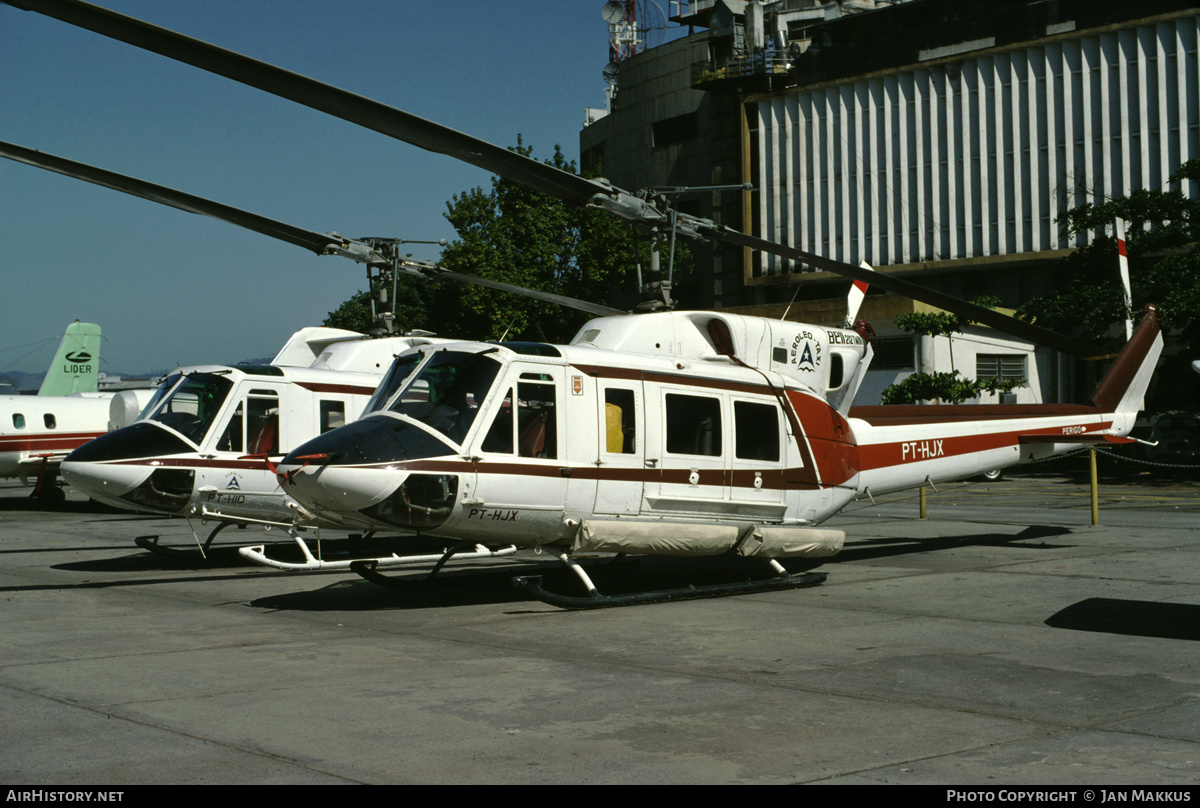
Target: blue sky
<point>172,288</point>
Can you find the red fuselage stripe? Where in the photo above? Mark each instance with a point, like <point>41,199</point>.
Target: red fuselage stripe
<point>881,455</point>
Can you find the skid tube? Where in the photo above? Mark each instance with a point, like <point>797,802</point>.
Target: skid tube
<point>532,585</point>
<point>313,563</point>
<point>369,568</point>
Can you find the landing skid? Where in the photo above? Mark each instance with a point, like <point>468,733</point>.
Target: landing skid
<point>150,544</point>
<point>532,585</point>
<point>369,568</point>
<point>314,562</point>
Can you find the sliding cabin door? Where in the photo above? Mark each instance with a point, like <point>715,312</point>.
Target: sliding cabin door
<point>621,454</point>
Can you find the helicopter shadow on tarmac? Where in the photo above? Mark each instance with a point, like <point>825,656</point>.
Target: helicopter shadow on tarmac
<point>493,585</point>
<point>873,549</point>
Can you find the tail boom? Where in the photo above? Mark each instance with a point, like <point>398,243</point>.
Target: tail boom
<point>904,446</point>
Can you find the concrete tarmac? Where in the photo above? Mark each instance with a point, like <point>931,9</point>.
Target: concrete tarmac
<point>1004,640</point>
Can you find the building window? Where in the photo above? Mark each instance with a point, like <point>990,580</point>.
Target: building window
<point>675,130</point>
<point>894,353</point>
<point>1005,367</point>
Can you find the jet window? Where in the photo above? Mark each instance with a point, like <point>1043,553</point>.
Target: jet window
<point>693,425</point>
<point>49,420</point>
<point>756,431</point>
<point>18,420</point>
<point>620,430</point>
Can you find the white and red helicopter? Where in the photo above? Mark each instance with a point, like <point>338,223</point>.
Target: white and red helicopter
<point>671,433</point>
<point>677,433</point>
<point>206,445</point>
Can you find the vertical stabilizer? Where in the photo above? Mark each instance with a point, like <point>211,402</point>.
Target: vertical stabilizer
<point>76,365</point>
<point>1122,391</point>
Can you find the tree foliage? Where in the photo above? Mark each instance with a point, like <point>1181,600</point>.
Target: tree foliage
<point>513,234</point>
<point>1164,264</point>
<point>951,387</point>
<point>520,236</point>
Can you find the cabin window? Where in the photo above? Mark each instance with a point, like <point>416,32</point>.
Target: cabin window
<point>49,420</point>
<point>193,405</point>
<point>500,434</point>
<point>1005,367</point>
<point>447,393</point>
<point>164,388</point>
<point>231,440</point>
<point>620,430</point>
<point>333,415</point>
<point>18,420</point>
<point>396,376</point>
<point>537,423</point>
<point>262,426</point>
<point>756,431</point>
<point>693,425</point>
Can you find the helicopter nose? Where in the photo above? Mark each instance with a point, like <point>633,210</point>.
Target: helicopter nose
<point>124,468</point>
<point>390,497</point>
<point>338,490</point>
<point>347,473</point>
<point>103,481</point>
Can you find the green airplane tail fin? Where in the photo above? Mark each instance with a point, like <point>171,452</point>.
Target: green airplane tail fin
<point>76,366</point>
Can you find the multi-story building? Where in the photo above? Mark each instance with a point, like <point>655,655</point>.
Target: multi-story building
<point>938,139</point>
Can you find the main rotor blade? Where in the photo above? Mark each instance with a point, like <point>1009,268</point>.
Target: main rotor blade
<point>323,97</point>
<point>899,286</point>
<point>319,243</point>
<point>503,162</point>
<point>435,271</point>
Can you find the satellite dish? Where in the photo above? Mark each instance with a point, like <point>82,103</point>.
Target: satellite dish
<point>611,71</point>
<point>613,11</point>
